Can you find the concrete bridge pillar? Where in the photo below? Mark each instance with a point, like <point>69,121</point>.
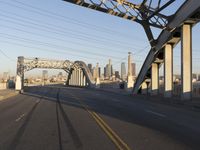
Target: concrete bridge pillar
<point>168,70</point>
<point>154,79</point>
<point>186,62</point>
<point>144,88</point>
<point>18,83</point>
<point>130,76</point>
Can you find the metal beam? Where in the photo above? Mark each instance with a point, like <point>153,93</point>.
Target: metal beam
<point>127,10</point>
<point>188,9</point>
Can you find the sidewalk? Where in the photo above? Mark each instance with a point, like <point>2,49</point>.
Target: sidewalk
<point>4,94</point>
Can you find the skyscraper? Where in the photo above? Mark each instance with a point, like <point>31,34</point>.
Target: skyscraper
<point>129,64</point>
<point>110,68</point>
<point>123,71</point>
<point>117,74</point>
<point>107,71</point>
<point>133,69</point>
<point>100,72</point>
<point>104,71</point>
<point>93,72</point>
<point>90,67</point>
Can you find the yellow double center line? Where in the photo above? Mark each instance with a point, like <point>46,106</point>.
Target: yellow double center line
<point>120,144</point>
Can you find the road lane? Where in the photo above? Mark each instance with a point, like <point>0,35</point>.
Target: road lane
<point>50,125</point>
<point>162,132</point>
<point>61,122</point>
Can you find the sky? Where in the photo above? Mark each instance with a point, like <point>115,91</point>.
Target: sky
<point>56,29</point>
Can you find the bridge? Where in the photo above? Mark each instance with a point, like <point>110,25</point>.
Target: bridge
<point>173,29</point>
<point>59,117</point>
<point>77,72</point>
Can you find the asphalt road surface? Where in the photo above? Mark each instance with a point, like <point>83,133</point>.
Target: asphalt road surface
<point>51,118</point>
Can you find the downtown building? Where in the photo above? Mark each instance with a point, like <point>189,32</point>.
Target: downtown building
<point>123,71</point>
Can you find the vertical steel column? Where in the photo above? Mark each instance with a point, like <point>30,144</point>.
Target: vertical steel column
<point>154,79</point>
<point>76,79</point>
<point>84,80</point>
<point>168,70</point>
<point>81,78</point>
<point>73,77</point>
<point>186,61</point>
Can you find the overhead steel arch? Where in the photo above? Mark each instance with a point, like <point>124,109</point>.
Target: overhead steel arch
<point>80,65</point>
<point>27,64</point>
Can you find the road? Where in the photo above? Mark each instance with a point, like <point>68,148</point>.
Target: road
<point>51,118</point>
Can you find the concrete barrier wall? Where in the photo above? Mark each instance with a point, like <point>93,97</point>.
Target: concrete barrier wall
<point>177,90</point>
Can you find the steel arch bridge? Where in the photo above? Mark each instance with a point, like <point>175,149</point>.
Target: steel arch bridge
<point>173,29</point>
<point>78,72</point>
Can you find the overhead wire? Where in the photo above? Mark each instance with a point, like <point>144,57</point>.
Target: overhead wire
<point>45,24</point>
<point>13,37</point>
<point>50,50</point>
<point>9,58</point>
<point>64,33</point>
<point>56,38</point>
<point>66,18</point>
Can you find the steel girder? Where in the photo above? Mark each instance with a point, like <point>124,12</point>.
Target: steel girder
<point>27,64</point>
<point>145,11</point>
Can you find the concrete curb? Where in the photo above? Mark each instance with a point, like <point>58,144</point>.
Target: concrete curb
<point>8,96</point>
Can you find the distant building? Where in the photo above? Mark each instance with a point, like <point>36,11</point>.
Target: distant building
<point>117,74</point>
<point>198,79</point>
<point>94,72</point>
<point>107,70</point>
<point>6,76</point>
<point>133,69</point>
<point>194,76</point>
<point>104,71</point>
<point>123,71</point>
<point>45,74</point>
<point>60,76</point>
<point>99,71</point>
<point>90,67</point>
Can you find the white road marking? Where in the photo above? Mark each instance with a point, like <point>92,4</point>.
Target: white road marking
<point>156,113</point>
<point>20,117</point>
